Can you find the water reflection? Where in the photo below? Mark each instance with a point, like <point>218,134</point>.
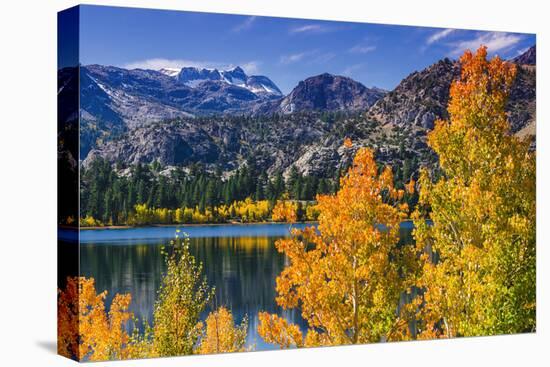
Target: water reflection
<point>242,269</point>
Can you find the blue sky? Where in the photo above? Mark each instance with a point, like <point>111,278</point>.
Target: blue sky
<point>285,50</point>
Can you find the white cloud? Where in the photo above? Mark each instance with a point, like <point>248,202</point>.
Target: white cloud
<point>361,49</point>
<point>159,63</point>
<point>250,67</point>
<point>244,25</point>
<point>439,35</point>
<point>292,58</point>
<point>495,42</point>
<point>309,57</point>
<point>309,28</point>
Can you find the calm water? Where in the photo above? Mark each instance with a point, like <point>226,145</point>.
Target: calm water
<point>239,260</point>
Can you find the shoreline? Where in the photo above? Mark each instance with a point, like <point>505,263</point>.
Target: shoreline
<point>186,225</point>
<point>405,223</point>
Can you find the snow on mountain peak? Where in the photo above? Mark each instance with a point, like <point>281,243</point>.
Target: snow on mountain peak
<point>170,71</point>
<point>193,77</point>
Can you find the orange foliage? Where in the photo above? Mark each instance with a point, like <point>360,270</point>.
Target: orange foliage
<point>341,277</point>
<point>67,320</point>
<point>285,211</point>
<point>85,329</point>
<point>276,330</point>
<point>348,143</point>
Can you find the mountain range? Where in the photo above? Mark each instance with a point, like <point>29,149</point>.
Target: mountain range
<point>114,100</point>
<point>221,118</point>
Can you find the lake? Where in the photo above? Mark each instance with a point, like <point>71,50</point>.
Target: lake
<point>240,261</point>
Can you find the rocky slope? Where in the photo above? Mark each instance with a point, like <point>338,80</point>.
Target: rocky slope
<point>171,144</point>
<point>312,142</point>
<point>422,97</point>
<point>219,141</point>
<point>419,99</point>
<point>522,102</point>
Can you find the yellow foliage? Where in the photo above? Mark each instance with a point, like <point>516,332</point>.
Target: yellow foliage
<point>143,214</point>
<point>247,211</point>
<point>479,250</point>
<point>250,211</point>
<point>182,298</point>
<point>90,221</point>
<point>179,216</point>
<point>312,213</point>
<point>222,336</point>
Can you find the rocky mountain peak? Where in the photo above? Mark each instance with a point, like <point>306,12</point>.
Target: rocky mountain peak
<point>237,70</point>
<point>328,92</point>
<point>529,57</point>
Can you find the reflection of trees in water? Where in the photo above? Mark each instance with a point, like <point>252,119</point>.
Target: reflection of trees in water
<point>134,269</point>
<point>243,270</point>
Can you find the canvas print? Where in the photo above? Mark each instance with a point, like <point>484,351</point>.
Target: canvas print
<point>233,183</point>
